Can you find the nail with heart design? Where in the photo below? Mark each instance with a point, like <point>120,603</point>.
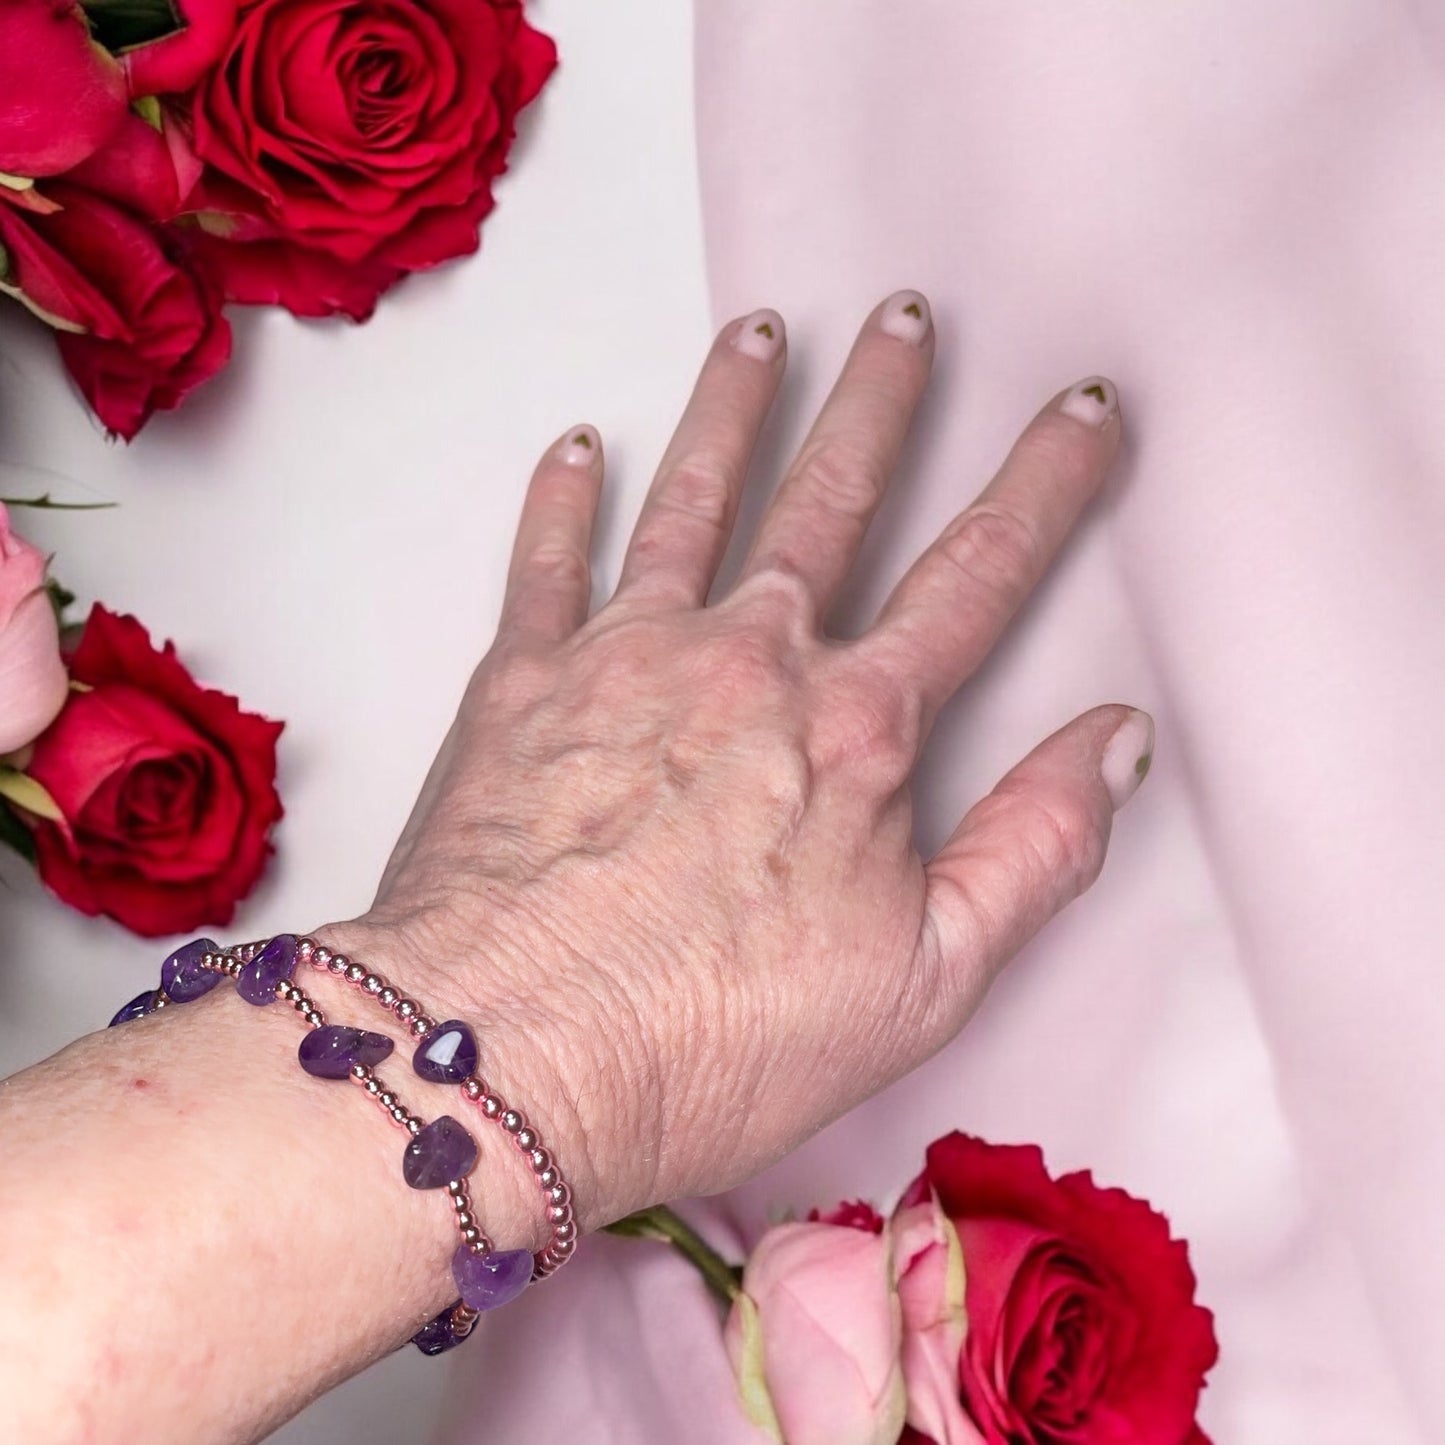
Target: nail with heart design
<point>906,315</point>
<point>1093,401</point>
<point>581,447</point>
<point>760,335</point>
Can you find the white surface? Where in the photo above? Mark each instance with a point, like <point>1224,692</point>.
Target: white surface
<point>323,530</point>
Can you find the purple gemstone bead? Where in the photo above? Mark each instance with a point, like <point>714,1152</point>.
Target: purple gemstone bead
<point>441,1152</point>
<point>330,1051</point>
<point>182,976</point>
<point>435,1337</point>
<point>489,1280</point>
<point>447,1054</point>
<point>142,1003</point>
<point>256,983</point>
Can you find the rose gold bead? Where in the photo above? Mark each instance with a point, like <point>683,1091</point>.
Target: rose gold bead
<point>315,1019</point>
<point>161,1000</point>
<point>360,1072</point>
<point>339,964</point>
<point>422,1024</point>
<point>492,1105</point>
<point>562,1249</point>
<point>372,1087</point>
<point>400,1114</point>
<point>559,1193</point>
<point>456,1186</point>
<point>465,1219</point>
<point>321,956</point>
<point>387,997</point>
<point>556,1213</point>
<point>373,983</point>
<point>386,1098</point>
<point>472,1087</point>
<point>526,1139</point>
<point>305,947</point>
<point>283,989</point>
<point>565,1229</point>
<point>540,1160</point>
<point>513,1120</point>
<point>549,1176</point>
<point>406,1010</point>
<point>471,1234</point>
<point>355,973</point>
<point>414,1125</point>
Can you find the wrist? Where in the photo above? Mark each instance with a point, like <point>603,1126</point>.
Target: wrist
<point>517,1063</point>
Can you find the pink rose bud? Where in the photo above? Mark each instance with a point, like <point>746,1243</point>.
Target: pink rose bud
<point>928,1264</point>
<point>33,683</point>
<point>815,1337</point>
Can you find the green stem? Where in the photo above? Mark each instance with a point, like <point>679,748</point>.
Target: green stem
<point>661,1223</point>
<point>45,503</point>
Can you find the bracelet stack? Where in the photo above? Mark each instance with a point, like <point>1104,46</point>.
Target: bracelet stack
<point>439,1154</point>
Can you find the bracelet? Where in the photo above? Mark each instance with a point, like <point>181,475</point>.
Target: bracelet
<point>439,1153</point>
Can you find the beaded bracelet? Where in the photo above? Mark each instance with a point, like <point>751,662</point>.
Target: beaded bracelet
<point>441,1153</point>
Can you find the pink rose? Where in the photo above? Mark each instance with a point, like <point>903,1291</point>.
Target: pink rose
<point>815,1336</point>
<point>33,684</point>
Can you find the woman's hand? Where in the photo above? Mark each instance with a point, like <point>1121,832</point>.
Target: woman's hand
<point>666,857</point>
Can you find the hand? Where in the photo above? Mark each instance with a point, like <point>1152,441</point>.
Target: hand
<point>665,857</point>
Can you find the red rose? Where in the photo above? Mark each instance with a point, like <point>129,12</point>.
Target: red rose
<point>61,95</point>
<point>1082,1325</point>
<point>168,789</point>
<point>140,327</point>
<point>352,141</point>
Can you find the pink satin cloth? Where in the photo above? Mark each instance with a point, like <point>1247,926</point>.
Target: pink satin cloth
<point>1238,213</point>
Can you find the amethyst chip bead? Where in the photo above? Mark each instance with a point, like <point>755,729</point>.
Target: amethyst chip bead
<point>492,1279</point>
<point>437,1154</point>
<point>182,976</point>
<point>142,1003</point>
<point>436,1336</point>
<point>256,982</point>
<point>447,1054</point>
<point>333,1050</point>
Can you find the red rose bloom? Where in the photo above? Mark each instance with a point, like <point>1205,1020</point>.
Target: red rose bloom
<point>1082,1325</point>
<point>352,141</point>
<point>141,327</point>
<point>168,789</point>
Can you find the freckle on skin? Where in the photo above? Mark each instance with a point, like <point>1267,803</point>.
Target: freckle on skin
<point>141,1084</point>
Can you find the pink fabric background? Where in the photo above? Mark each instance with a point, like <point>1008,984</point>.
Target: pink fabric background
<point>1238,213</point>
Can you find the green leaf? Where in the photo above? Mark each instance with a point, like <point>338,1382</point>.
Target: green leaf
<point>120,24</point>
<point>22,790</point>
<point>14,834</point>
<point>61,599</point>
<point>148,107</point>
<point>752,1380</point>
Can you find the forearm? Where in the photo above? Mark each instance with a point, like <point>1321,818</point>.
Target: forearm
<point>197,1238</point>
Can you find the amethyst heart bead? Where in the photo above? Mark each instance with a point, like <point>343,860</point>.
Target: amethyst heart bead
<point>256,983</point>
<point>333,1050</point>
<point>447,1054</point>
<point>142,1003</point>
<point>182,976</point>
<point>489,1280</point>
<point>439,1153</point>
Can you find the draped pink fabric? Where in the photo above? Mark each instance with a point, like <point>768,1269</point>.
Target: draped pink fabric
<point>1238,213</point>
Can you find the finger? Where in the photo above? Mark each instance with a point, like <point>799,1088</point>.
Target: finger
<point>684,526</point>
<point>815,525</point>
<point>948,611</point>
<point>1033,845</point>
<point>549,583</point>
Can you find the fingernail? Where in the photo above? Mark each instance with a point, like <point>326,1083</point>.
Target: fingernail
<point>1093,401</point>
<point>760,335</point>
<point>1127,757</point>
<point>905,315</point>
<point>581,447</point>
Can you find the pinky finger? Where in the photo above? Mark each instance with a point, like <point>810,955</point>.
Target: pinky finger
<point>1033,845</point>
<point>549,583</point>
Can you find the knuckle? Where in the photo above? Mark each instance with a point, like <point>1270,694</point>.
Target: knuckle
<point>1060,833</point>
<point>700,489</point>
<point>560,567</point>
<point>512,678</point>
<point>994,549</point>
<point>743,667</point>
<point>874,725</point>
<point>841,474</point>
